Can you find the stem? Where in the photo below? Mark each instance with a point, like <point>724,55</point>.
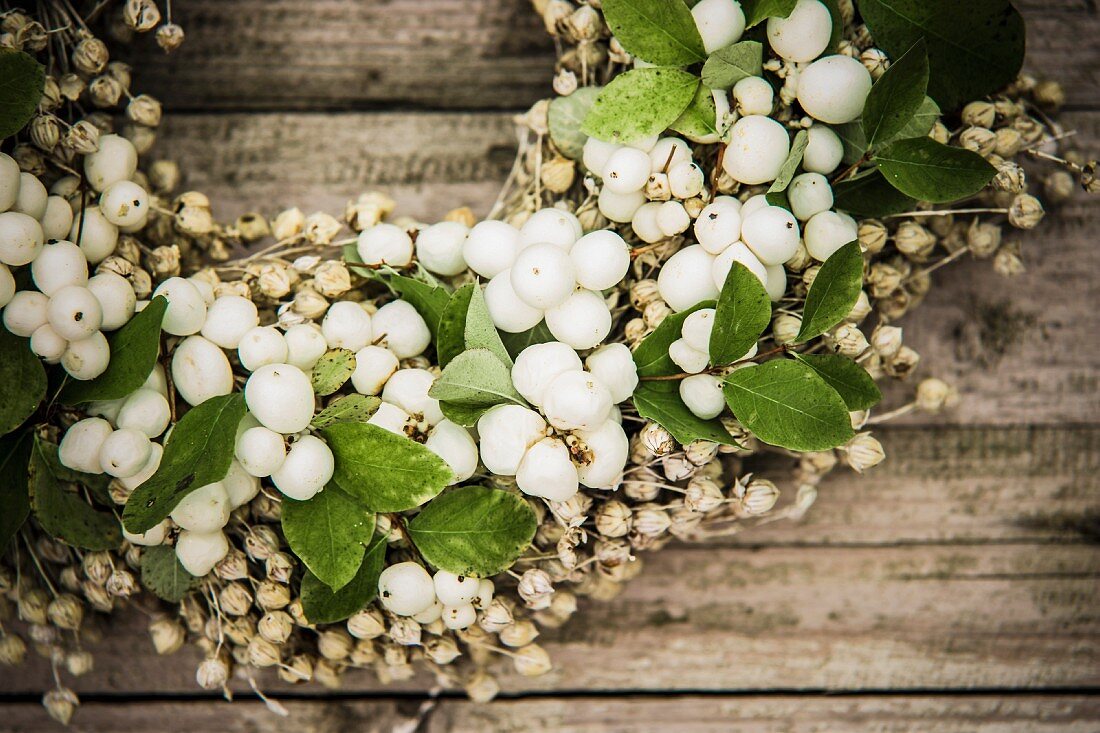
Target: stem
<point>893,414</point>
<point>945,212</point>
<point>848,172</point>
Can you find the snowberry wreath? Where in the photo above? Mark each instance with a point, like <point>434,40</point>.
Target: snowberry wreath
<point>415,446</point>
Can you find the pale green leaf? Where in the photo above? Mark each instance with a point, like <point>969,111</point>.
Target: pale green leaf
<point>699,122</point>
<point>451,340</point>
<point>731,64</point>
<point>660,402</point>
<point>349,408</point>
<point>332,370</point>
<point>790,165</point>
<point>661,32</point>
<point>329,533</point>
<point>162,573</point>
<point>322,605</point>
<point>476,378</point>
<point>640,103</point>
<point>517,342</point>
<point>851,381</point>
<point>480,332</point>
<point>565,116</point>
<point>757,11</point>
<point>743,312</point>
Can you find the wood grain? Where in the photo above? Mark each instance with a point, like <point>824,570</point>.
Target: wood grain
<point>795,713</point>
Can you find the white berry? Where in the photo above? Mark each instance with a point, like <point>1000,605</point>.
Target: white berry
<point>547,471</point>
<point>824,150</point>
<point>668,153</point>
<point>146,411</point>
<point>758,148</point>
<point>408,389</point>
<point>582,321</point>
<point>439,247</point>
<point>687,358</point>
<point>834,89</point>
<point>491,247</point>
<point>206,509</point>
<point>614,366</point>
<point>453,444</point>
<point>829,231</point>
<point>57,222</point>
<point>186,311</point>
<point>116,299</point>
<point>124,204</point>
<point>305,344</point>
<point>608,448</point>
<point>538,364</point>
<point>385,244</point>
<point>347,326</point>
<point>32,196</point>
<point>509,313</point>
<point>686,278</point>
<point>702,393</point>
<point>686,180</point>
<point>754,96</point>
<point>620,207</point>
<point>672,218</point>
<point>809,194</point>
<point>9,181</point>
<point>74,312</point>
<point>199,552</point>
<point>48,344</point>
<point>262,345</point>
<point>772,234</point>
<point>200,370</point>
<point>576,399</point>
<point>737,252</point>
<point>697,328</point>
<point>281,397</point>
<point>260,451</point>
<point>459,617</point>
<point>21,238</point>
<point>719,224</point>
<point>81,444</point>
<point>505,433</point>
<point>543,275</point>
<point>402,328</point>
<point>804,34</point>
<point>406,589</point>
<point>96,236</point>
<point>7,285</point>
<point>26,312</point>
<point>228,319</point>
<point>645,225</point>
<point>390,417</point>
<point>124,452</point>
<point>115,160</point>
<point>374,365</point>
<point>776,284</point>
<point>150,537</point>
<point>595,155</point>
<point>454,590</point>
<point>555,226</point>
<point>627,170</point>
<point>600,259</point>
<point>720,22</point>
<point>309,465</point>
<point>240,486</point>
<point>156,452</point>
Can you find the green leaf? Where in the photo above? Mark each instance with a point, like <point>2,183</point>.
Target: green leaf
<point>662,32</point>
<point>790,165</point>
<point>838,25</point>
<point>96,484</point>
<point>22,80</point>
<point>660,402</point>
<point>731,64</point>
<point>198,452</point>
<point>699,122</point>
<point>851,381</point>
<point>330,533</point>
<point>480,332</point>
<point>22,381</point>
<point>744,311</point>
<point>931,171</point>
<point>834,291</point>
<point>162,573</point>
<point>355,262</point>
<point>565,117</point>
<point>785,403</point>
<point>385,472</point>
<point>974,47</point>
<point>640,103</point>
<point>474,531</point>
<point>896,96</point>
<point>349,408</point>
<point>332,370</point>
<point>476,378</point>
<point>15,503</point>
<point>452,324</point>
<point>134,351</point>
<point>870,194</point>
<point>322,605</point>
<point>922,122</point>
<point>64,514</point>
<point>651,356</point>
<point>757,11</point>
<point>854,141</point>
<point>517,342</point>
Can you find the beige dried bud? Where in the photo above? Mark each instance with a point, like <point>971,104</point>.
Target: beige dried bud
<point>558,174</point>
<point>655,313</point>
<point>759,497</point>
<point>1009,142</point>
<point>90,56</point>
<point>1049,94</point>
<point>644,292</point>
<point>497,616</point>
<point>913,240</point>
<point>635,330</point>
<point>873,235</point>
<point>13,650</point>
<point>251,227</point>
<point>144,110</point>
<point>860,310</point>
<point>903,363</point>
<point>979,114</point>
<point>481,687</point>
<point>983,238</point>
<point>785,328</point>
<point>82,138</point>
<point>934,395</point>
<point>884,279</point>
<point>330,675</point>
<point>234,566</point>
<point>235,599</point>
<point>875,61</point>
<point>366,624</point>
<point>195,221</point>
<point>61,703</point>
<point>298,668</point>
<point>45,132</point>
<point>167,635</point>
<point>405,630</point>
<point>565,82</point>
<point>120,72</point>
<point>79,662</point>
<point>441,650</point>
<point>280,567</point>
<point>651,522</point>
<point>51,95</point>
<point>275,280</point>
<point>97,596</point>
<point>105,91</point>
<point>332,278</point>
<point>657,440</point>
<point>700,452</point>
<point>335,644</point>
<point>121,584</point>
<point>368,209</point>
<point>677,467</point>
<point>141,15</point>
<point>275,626</point>
<point>262,653</point>
<point>140,136</point>
<point>97,566</point>
<point>1059,186</point>
<point>979,140</point>
<point>164,176</point>
<point>532,661</point>
<point>535,588</point>
<point>118,265</point>
<point>703,495</point>
<point>863,452</point>
<point>309,303</point>
<point>170,37</point>
<point>66,612</point>
<point>847,340</point>
<point>886,341</point>
<point>261,542</point>
<point>43,636</point>
<point>321,228</point>
<point>1025,212</point>
<point>521,633</point>
<point>164,261</point>
<point>271,595</point>
<point>288,224</point>
<point>71,87</point>
<point>1007,263</point>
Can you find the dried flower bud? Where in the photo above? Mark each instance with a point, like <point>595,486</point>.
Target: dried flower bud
<point>97,566</point>
<point>45,132</point>
<point>334,644</point>
<point>884,279</point>
<point>366,624</point>
<point>1025,212</point>
<point>235,599</point>
<point>31,605</point>
<point>481,687</point>
<point>275,280</point>
<point>298,668</point>
<point>12,650</point>
<point>497,616</point>
<point>1007,263</point>
<point>262,653</point>
<point>170,37</point>
<point>875,61</point>
<point>82,138</point>
<point>309,303</point>
<point>677,467</point>
<point>914,240</point>
<point>275,626</point>
<point>194,221</point>
<point>1049,94</point>
<point>332,278</point>
<point>979,140</point>
<point>979,114</point>
<point>71,87</point>
<point>441,650</point>
<point>280,567</point>
<point>90,56</point>
<point>873,235</point>
<point>558,174</point>
<point>105,91</point>
<point>51,95</point>
<point>330,675</point>
<point>79,663</point>
<point>532,661</point>
<point>167,635</point>
<point>535,588</point>
<point>368,209</point>
<point>1009,142</point>
<point>144,110</point>
<point>934,395</point>
<point>164,261</point>
<point>903,363</point>
<point>405,631</point>
<point>983,238</point>
<point>66,612</point>
<point>863,452</point>
<point>141,15</point>
<point>785,328</point>
<point>655,313</point>
<point>759,497</point>
<point>271,595</point>
<point>703,495</point>
<point>521,633</point>
<point>700,452</point>
<point>61,703</point>
<point>847,340</point>
<point>860,310</point>
<point>234,566</point>
<point>121,584</point>
<point>261,542</point>
<point>1058,186</point>
<point>657,440</point>
<point>651,522</point>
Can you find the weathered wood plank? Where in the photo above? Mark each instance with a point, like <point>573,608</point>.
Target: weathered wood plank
<point>727,619</point>
<point>445,54</point>
<point>742,714</point>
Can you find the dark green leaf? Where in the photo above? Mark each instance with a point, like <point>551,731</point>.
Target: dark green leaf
<point>198,452</point>
<point>322,605</point>
<point>651,356</point>
<point>15,503</point>
<point>931,171</point>
<point>660,402</point>
<point>699,122</point>
<point>476,378</point>
<point>640,103</point>
<point>332,370</point>
<point>838,25</point>
<point>22,381</point>
<point>834,291</point>
<point>517,342</point>
<point>744,311</point>
<point>922,122</point>
<point>850,380</point>
<point>731,64</point>
<point>757,11</point>
<point>661,32</point>
<point>162,573</point>
<point>896,96</point>
<point>565,117</point>
<point>21,82</point>
<point>974,47</point>
<point>330,533</point>
<point>790,165</point>
<point>134,351</point>
<point>785,403</point>
<point>452,324</point>
<point>64,514</point>
<point>870,194</point>
<point>96,484</point>
<point>474,531</point>
<point>385,472</point>
<point>480,332</point>
<point>852,137</point>
<point>349,408</point>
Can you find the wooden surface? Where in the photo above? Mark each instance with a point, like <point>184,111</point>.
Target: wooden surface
<point>953,589</point>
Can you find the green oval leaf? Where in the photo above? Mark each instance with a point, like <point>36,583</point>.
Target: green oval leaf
<point>565,117</point>
<point>849,379</point>
<point>134,351</point>
<point>757,11</point>
<point>480,332</point>
<point>22,80</point>
<point>744,311</point>
<point>15,503</point>
<point>640,103</point>
<point>330,533</point>
<point>198,452</point>
<point>785,403</point>
<point>934,172</point>
<point>65,514</point>
<point>660,402</point>
<point>322,605</point>
<point>921,123</point>
<point>452,324</point>
<point>896,96</point>
<point>349,408</point>
<point>833,293</point>
<point>162,573</point>
<point>476,378</point>
<point>383,471</point>
<point>474,531</point>
<point>700,120</point>
<point>731,64</point>
<point>870,194</point>
<point>854,141</point>
<point>790,165</point>
<point>974,47</point>
<point>332,370</point>
<point>662,32</point>
<point>22,381</point>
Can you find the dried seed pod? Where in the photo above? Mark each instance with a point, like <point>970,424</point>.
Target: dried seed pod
<point>90,56</point>
<point>141,15</point>
<point>61,703</point>
<point>535,588</point>
<point>532,661</point>
<point>863,451</point>
<point>759,496</point>
<point>167,635</point>
<point>212,673</point>
<point>366,624</point>
<point>66,612</point>
<point>170,37</point>
<point>335,644</point>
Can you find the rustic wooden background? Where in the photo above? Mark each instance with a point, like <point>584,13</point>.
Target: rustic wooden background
<point>953,589</point>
